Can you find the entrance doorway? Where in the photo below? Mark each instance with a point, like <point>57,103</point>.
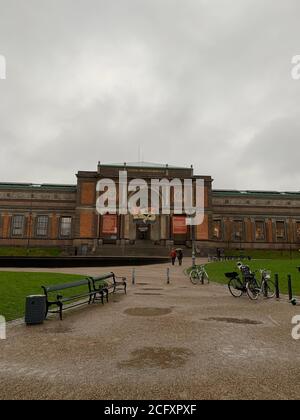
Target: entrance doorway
<point>143,232</point>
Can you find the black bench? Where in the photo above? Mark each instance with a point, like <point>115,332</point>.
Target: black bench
<point>112,285</point>
<point>78,298</point>
<point>96,288</point>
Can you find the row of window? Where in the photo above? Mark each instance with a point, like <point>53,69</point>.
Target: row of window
<point>41,226</point>
<point>238,230</point>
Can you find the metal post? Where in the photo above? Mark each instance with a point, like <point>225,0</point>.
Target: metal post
<point>290,287</point>
<point>193,247</point>
<point>277,286</point>
<point>133,276</point>
<point>168,275</point>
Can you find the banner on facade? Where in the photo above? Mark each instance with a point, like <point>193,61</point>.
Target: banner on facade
<point>179,225</point>
<point>110,224</point>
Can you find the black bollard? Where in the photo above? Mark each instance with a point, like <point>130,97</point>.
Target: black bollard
<point>290,288</point>
<point>168,276</point>
<point>277,286</point>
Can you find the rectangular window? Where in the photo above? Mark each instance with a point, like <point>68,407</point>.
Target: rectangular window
<point>298,231</point>
<point>217,230</point>
<point>42,226</point>
<point>18,224</point>
<point>66,227</point>
<point>280,230</point>
<point>260,231</point>
<point>238,230</point>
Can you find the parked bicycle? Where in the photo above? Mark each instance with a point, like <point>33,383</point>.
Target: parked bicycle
<point>264,287</point>
<point>249,284</point>
<point>199,275</point>
<point>236,286</point>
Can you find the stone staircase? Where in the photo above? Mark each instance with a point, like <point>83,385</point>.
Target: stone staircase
<point>139,249</point>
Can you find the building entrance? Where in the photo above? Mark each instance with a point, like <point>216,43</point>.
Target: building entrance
<point>143,232</point>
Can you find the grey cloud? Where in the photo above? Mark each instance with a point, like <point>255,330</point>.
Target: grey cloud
<point>196,81</point>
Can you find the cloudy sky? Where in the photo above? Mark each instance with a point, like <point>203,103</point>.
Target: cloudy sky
<point>203,82</point>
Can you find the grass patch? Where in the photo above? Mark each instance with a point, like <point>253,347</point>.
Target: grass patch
<point>282,267</point>
<point>14,287</point>
<point>32,252</point>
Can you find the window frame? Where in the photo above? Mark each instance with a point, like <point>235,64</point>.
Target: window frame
<point>221,230</point>
<point>236,238</point>
<point>264,231</point>
<point>13,227</point>
<point>46,235</point>
<point>61,224</point>
<point>281,238</point>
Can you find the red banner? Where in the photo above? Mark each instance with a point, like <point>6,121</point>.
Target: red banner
<point>179,225</point>
<point>110,224</point>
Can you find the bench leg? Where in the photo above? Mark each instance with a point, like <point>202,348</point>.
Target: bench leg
<point>60,310</point>
<point>47,310</point>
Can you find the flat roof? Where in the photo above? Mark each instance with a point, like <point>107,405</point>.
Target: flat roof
<point>33,186</point>
<point>256,193</point>
<point>144,165</point>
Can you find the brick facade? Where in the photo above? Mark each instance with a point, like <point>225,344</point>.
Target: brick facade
<point>67,214</point>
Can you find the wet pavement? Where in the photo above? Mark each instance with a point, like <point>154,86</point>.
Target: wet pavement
<point>161,341</point>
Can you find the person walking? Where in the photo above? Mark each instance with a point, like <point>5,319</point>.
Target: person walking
<point>180,256</point>
<point>173,256</point>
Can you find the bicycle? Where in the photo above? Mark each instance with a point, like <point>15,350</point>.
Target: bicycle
<point>264,287</point>
<point>236,286</point>
<point>199,275</point>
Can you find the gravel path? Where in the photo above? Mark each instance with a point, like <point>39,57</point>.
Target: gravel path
<point>174,341</point>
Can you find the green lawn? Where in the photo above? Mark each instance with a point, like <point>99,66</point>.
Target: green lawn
<point>14,287</point>
<point>32,252</point>
<point>282,267</point>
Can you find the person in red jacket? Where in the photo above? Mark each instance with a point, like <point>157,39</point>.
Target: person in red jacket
<point>173,256</point>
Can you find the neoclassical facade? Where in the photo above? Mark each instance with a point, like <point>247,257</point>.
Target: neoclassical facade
<point>65,216</point>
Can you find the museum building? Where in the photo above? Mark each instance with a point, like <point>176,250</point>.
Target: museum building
<point>65,216</point>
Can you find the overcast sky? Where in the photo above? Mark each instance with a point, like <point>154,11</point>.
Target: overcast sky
<point>203,82</point>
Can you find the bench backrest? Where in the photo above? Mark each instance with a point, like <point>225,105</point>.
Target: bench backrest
<point>58,287</point>
<point>103,277</point>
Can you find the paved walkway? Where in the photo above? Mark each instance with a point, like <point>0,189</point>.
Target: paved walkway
<point>174,341</point>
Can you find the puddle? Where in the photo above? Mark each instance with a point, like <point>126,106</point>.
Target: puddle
<point>157,357</point>
<point>235,321</point>
<point>148,311</point>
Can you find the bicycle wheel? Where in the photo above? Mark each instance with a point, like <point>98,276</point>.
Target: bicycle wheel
<point>205,278</point>
<point>235,287</point>
<point>194,277</point>
<point>253,290</point>
<point>268,289</point>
